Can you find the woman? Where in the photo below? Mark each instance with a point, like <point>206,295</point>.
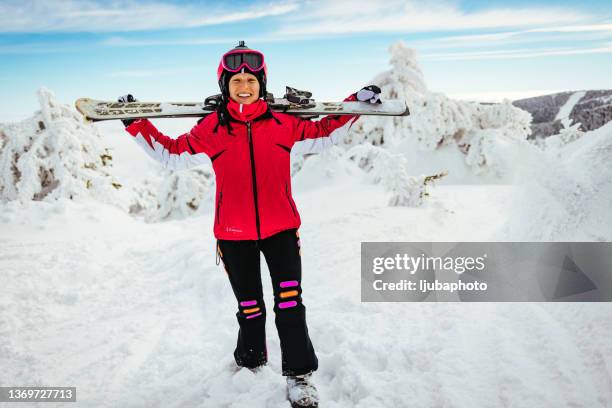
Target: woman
<point>249,147</point>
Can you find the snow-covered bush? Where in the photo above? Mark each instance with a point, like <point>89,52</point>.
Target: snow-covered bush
<point>54,155</point>
<point>388,169</point>
<point>179,195</point>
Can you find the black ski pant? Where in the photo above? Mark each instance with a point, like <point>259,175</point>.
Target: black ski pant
<point>241,260</point>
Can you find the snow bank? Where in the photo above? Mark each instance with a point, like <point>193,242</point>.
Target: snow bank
<point>566,193</point>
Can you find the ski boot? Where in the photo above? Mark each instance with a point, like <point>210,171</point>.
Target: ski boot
<point>301,392</point>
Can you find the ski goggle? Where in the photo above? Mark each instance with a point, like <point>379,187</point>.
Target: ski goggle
<point>234,61</point>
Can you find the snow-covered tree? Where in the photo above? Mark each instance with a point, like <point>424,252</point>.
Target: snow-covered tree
<point>54,155</point>
<point>436,121</point>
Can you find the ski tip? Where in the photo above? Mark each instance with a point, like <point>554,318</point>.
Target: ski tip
<point>406,111</point>
<point>80,104</point>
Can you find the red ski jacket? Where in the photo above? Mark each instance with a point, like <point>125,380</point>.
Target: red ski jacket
<point>252,165</point>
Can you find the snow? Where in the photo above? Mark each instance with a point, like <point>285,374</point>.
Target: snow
<point>564,112</point>
<point>568,190</point>
<point>137,314</point>
<point>129,306</point>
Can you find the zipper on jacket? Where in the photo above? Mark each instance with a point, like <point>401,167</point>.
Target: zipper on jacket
<point>219,207</point>
<point>248,125</point>
<point>289,199</point>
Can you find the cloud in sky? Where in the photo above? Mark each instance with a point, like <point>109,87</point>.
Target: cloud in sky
<point>585,28</point>
<point>314,19</point>
<point>305,19</point>
<point>118,41</point>
<point>384,16</point>
<point>518,53</point>
<point>301,17</point>
<point>39,16</point>
<point>555,34</point>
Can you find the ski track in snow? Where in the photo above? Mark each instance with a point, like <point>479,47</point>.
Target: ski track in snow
<point>137,314</point>
<point>564,113</point>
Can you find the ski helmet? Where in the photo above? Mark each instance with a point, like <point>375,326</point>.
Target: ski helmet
<point>242,59</point>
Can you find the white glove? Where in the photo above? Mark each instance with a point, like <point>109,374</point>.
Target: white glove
<point>370,93</point>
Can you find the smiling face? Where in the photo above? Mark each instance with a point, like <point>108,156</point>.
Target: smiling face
<point>244,88</point>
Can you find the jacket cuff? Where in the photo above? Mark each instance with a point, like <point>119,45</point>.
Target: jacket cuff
<point>351,97</point>
<point>136,127</point>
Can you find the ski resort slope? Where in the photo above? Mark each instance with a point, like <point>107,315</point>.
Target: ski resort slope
<point>566,110</point>
<point>136,314</point>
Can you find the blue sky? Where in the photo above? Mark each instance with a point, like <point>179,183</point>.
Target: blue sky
<point>169,50</point>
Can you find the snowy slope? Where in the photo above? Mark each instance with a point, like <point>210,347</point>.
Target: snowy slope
<point>138,314</point>
<point>564,113</point>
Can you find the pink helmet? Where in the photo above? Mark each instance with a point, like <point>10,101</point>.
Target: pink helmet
<point>242,59</point>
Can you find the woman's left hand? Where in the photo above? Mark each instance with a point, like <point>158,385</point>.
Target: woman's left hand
<point>370,93</point>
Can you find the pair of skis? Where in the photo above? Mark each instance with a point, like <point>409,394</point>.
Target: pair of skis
<point>294,102</point>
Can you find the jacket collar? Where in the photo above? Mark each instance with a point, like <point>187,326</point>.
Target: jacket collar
<point>245,113</point>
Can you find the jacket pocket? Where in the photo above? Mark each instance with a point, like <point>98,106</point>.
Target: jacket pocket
<point>289,199</point>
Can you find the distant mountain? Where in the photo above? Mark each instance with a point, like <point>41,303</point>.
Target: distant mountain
<point>592,109</point>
